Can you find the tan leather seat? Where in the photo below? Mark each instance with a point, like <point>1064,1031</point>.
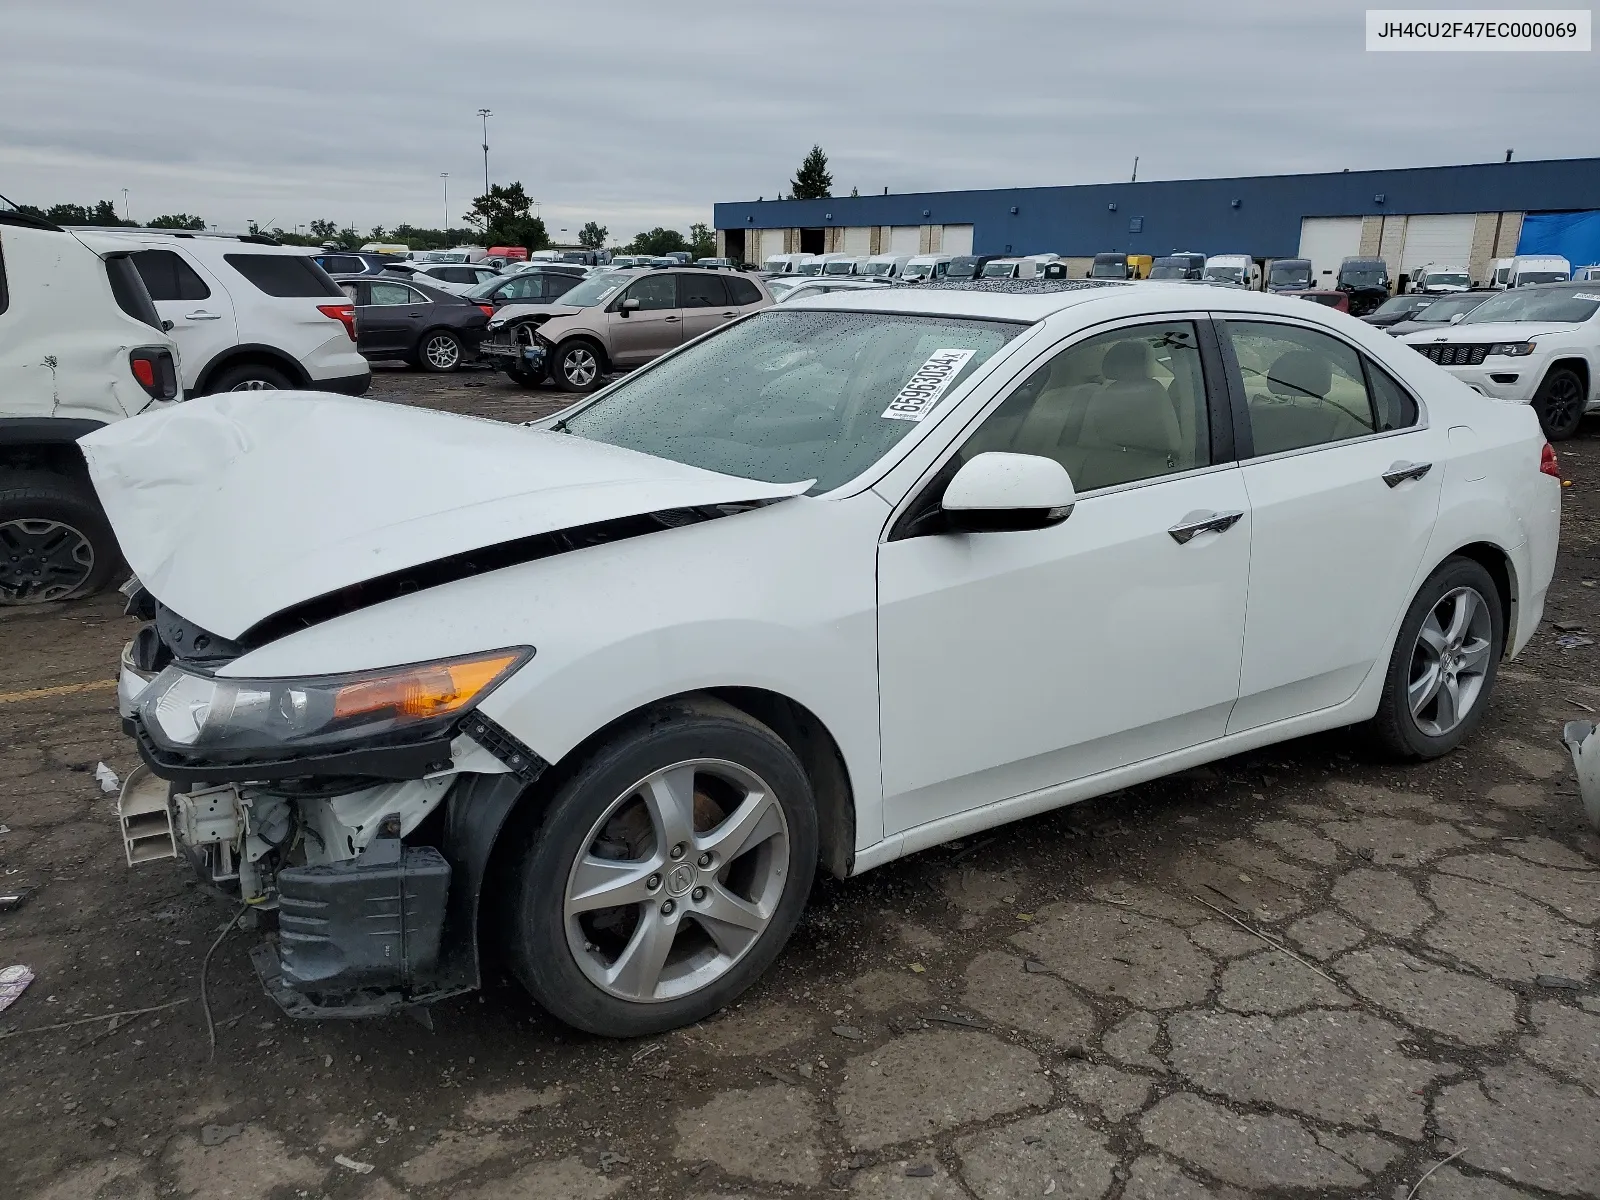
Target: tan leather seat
<point>1130,430</point>
<point>1302,411</point>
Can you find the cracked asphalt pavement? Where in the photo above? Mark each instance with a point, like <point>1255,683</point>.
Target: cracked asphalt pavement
<point>1300,972</point>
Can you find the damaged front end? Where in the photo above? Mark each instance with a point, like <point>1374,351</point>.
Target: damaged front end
<point>358,808</point>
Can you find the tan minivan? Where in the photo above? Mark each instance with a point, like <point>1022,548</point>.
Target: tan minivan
<point>615,320</point>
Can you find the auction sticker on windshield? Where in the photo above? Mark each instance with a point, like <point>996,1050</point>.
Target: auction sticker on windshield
<point>922,391</point>
<point>1585,296</point>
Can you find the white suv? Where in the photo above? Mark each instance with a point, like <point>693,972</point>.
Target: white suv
<point>248,313</point>
<point>81,346</point>
<point>456,278</point>
<point>1532,345</point>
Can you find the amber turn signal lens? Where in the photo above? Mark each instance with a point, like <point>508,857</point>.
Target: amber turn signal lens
<point>426,690</point>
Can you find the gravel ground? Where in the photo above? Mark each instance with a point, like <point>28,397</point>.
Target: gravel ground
<point>1300,972</point>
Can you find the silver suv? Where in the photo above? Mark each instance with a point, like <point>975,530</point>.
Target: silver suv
<point>615,320</point>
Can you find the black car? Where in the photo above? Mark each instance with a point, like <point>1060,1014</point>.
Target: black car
<point>401,318</point>
<point>533,286</point>
<point>1398,308</point>
<point>1442,313</point>
<point>353,262</point>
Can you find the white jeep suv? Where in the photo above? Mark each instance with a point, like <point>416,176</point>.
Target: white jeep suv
<point>249,313</point>
<point>81,346</point>
<point>1532,345</point>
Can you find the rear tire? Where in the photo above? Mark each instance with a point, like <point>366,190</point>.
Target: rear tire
<point>1559,404</point>
<point>250,377</point>
<point>55,542</point>
<point>718,911</point>
<point>576,366</point>
<point>1446,657</point>
<point>439,351</point>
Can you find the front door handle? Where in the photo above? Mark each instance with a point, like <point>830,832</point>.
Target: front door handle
<point>669,318</point>
<point>201,314</point>
<point>1402,471</point>
<point>1197,523</point>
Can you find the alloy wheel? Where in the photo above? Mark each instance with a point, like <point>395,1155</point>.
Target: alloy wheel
<point>1450,661</point>
<point>579,367</point>
<point>1562,401</point>
<point>254,385</point>
<point>677,880</point>
<point>443,352</point>
<point>42,560</point>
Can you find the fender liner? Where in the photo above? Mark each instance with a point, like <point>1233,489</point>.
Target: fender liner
<point>245,350</point>
<point>475,812</point>
<point>45,431</point>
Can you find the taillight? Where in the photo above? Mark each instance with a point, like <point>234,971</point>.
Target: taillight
<point>1548,464</point>
<point>155,370</point>
<point>345,314</point>
<point>488,309</point>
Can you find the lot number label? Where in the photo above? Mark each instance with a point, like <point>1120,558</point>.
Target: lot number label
<point>926,385</point>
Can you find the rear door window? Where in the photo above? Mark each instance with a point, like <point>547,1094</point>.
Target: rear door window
<point>286,275</point>
<point>390,293</point>
<point>167,277</point>
<point>1304,388</point>
<point>701,291</point>
<point>742,291</point>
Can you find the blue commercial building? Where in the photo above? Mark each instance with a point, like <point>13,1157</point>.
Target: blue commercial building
<point>1461,216</point>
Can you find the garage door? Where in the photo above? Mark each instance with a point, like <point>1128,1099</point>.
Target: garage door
<point>905,239</point>
<point>1327,240</point>
<point>771,243</point>
<point>957,240</point>
<point>858,240</point>
<point>1444,240</point>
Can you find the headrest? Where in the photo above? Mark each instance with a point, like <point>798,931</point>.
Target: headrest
<point>1300,373</point>
<point>1128,360</point>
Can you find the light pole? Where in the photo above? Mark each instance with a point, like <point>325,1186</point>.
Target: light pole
<point>445,176</point>
<point>125,216</point>
<point>485,114</point>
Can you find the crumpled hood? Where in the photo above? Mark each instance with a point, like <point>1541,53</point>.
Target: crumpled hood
<point>1490,331</point>
<point>237,506</point>
<point>507,313</point>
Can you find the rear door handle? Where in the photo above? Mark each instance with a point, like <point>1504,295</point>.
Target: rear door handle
<point>1402,471</point>
<point>1196,523</point>
<point>201,314</point>
<point>669,318</point>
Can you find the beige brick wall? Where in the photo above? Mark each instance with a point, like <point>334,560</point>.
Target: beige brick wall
<point>832,240</point>
<point>1510,234</point>
<point>1371,236</point>
<point>1392,242</point>
<point>1482,246</point>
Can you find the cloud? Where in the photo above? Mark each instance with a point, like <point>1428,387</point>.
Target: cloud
<point>636,113</point>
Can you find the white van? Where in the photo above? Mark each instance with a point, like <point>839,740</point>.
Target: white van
<point>1538,268</point>
<point>1436,280</point>
<point>1499,273</point>
<point>840,264</point>
<point>883,266</point>
<point>927,266</point>
<point>782,264</point>
<point>808,264</point>
<point>1239,270</point>
<point>1005,268</point>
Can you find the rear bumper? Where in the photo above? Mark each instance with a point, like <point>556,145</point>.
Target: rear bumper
<point>346,385</point>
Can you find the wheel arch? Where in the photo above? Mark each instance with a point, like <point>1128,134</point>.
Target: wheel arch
<point>45,444</point>
<point>239,355</point>
<point>1504,573</point>
<point>1578,365</point>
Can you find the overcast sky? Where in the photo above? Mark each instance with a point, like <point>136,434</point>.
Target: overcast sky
<point>644,112</point>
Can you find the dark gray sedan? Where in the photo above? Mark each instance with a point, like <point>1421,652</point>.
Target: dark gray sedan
<point>404,319</point>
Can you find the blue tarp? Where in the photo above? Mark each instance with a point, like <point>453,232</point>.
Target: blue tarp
<point>1573,235</point>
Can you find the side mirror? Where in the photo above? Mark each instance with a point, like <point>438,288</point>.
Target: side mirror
<point>997,492</point>
<point>1456,317</point>
<point>629,306</point>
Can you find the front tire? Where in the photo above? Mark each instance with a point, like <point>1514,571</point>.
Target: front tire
<point>439,351</point>
<point>55,542</point>
<point>576,366</point>
<point>526,379</point>
<point>667,873</point>
<point>1559,404</point>
<point>1444,664</point>
<point>250,377</point>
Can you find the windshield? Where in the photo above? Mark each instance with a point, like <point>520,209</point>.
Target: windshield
<point>999,270</point>
<point>1442,310</point>
<point>837,268</point>
<point>1224,274</point>
<point>1401,304</point>
<point>1524,278</point>
<point>794,394</point>
<point>1109,270</point>
<point>1446,279</point>
<point>1290,275</point>
<point>917,271</point>
<point>597,289</point>
<point>875,268</point>
<point>1363,275</point>
<point>779,286</point>
<point>1559,305</point>
<point>962,268</point>
<point>810,268</point>
<point>1168,272</point>
<point>487,288</point>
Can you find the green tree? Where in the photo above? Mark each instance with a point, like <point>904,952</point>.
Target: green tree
<point>183,221</point>
<point>592,235</point>
<point>323,231</point>
<point>348,238</point>
<point>812,181</point>
<point>504,215</point>
<point>658,241</point>
<point>702,240</point>
<point>376,234</point>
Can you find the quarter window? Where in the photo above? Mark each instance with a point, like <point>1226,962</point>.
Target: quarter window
<point>655,291</point>
<point>1116,408</point>
<point>284,275</point>
<point>742,291</point>
<point>167,277</point>
<point>1305,388</point>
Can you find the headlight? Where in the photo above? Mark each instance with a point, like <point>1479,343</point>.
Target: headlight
<point>1513,349</point>
<point>319,713</point>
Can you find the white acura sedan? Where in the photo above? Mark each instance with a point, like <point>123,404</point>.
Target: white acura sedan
<point>838,582</point>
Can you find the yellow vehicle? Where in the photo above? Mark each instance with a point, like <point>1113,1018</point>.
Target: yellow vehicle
<point>1121,266</point>
<point>1139,266</point>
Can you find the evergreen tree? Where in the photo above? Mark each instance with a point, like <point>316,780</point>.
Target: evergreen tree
<point>812,181</point>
